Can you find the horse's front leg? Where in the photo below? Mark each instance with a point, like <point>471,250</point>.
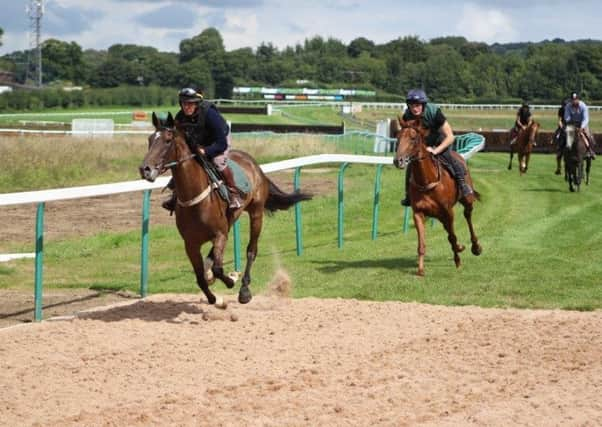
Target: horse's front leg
<point>511,156</point>
<point>476,248</point>
<point>419,223</point>
<point>219,244</point>
<point>193,250</point>
<point>448,222</point>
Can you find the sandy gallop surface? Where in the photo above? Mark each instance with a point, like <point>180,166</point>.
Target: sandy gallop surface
<point>173,360</point>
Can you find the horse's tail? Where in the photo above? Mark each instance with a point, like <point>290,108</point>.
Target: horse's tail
<point>279,200</point>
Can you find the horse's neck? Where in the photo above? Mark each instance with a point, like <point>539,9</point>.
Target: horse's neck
<point>424,169</point>
<point>191,179</point>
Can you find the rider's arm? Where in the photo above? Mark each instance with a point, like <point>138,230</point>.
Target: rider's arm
<point>218,128</point>
<point>585,122</point>
<point>567,115</point>
<point>448,138</point>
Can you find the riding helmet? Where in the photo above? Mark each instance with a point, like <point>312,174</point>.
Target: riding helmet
<point>416,96</point>
<point>189,95</point>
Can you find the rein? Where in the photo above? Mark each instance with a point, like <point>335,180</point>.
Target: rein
<point>204,194</point>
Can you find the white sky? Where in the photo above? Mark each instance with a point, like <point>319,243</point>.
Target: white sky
<point>98,24</point>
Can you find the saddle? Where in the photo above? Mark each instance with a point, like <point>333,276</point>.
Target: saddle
<point>240,178</point>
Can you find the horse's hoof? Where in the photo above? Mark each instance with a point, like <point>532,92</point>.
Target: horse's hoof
<point>557,172</point>
<point>234,276</point>
<point>211,299</point>
<point>244,295</point>
<point>420,273</point>
<point>476,249</point>
<point>220,303</point>
<point>460,248</point>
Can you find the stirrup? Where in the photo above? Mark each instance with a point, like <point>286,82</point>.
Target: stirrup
<point>170,204</point>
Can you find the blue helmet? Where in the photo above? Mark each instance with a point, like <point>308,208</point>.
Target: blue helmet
<point>416,96</point>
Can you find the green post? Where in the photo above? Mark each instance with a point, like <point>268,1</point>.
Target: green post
<point>237,262</point>
<point>298,224</point>
<point>39,262</point>
<point>144,247</point>
<point>341,204</point>
<point>406,219</point>
<point>376,204</point>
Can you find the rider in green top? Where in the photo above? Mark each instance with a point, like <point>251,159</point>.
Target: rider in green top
<point>439,139</point>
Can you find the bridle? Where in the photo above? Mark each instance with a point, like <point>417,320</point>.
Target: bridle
<point>169,140</point>
<point>417,158</point>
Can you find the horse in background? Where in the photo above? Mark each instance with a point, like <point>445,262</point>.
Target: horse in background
<point>433,191</point>
<point>575,158</point>
<point>524,146</point>
<point>202,215</point>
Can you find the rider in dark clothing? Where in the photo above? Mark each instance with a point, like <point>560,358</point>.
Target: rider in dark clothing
<point>439,139</point>
<point>559,137</point>
<point>523,120</point>
<point>207,134</point>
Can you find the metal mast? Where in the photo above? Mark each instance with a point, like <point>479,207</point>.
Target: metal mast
<point>35,9</point>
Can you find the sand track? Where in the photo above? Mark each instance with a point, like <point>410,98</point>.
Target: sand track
<point>171,360</point>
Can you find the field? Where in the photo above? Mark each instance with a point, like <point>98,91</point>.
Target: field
<point>333,337</point>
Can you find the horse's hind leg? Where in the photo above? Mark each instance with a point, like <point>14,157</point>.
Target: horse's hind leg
<point>588,167</point>
<point>476,248</point>
<point>193,250</point>
<point>510,163</point>
<point>256,223</point>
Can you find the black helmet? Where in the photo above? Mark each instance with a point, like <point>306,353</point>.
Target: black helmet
<point>416,96</point>
<point>189,95</point>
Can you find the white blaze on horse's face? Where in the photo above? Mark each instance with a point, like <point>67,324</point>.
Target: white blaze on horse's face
<point>570,136</point>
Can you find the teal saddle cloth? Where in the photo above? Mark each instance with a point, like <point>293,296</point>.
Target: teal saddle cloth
<point>240,178</point>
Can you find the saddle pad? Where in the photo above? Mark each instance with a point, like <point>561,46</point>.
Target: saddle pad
<point>240,178</point>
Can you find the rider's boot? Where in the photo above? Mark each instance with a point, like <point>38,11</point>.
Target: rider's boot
<point>466,192</point>
<point>406,200</point>
<point>170,203</point>
<point>235,201</point>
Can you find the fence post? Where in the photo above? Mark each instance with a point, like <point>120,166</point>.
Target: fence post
<point>375,207</point>
<point>341,204</point>
<point>39,262</point>
<point>236,229</point>
<point>298,223</point>
<point>144,247</point>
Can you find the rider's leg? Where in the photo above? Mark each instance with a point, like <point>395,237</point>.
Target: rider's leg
<point>406,200</point>
<point>589,142</point>
<point>459,171</point>
<point>170,202</point>
<point>513,135</point>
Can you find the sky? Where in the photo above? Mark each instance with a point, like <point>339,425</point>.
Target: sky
<point>98,24</point>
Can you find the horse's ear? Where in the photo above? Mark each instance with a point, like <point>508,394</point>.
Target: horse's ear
<point>155,121</point>
<point>170,121</point>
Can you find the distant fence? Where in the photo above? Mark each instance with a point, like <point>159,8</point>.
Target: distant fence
<point>321,129</point>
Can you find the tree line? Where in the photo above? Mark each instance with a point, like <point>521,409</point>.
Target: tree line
<point>450,69</point>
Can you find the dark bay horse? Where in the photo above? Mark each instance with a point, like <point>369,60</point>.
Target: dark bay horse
<point>433,191</point>
<point>201,213</point>
<point>523,146</point>
<point>575,158</point>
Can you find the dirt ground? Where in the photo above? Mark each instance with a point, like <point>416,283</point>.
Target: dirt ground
<point>174,360</point>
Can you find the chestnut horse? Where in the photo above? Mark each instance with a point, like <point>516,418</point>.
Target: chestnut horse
<point>201,214</point>
<point>523,146</point>
<point>433,191</point>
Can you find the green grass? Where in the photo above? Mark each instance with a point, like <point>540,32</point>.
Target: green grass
<point>541,247</point>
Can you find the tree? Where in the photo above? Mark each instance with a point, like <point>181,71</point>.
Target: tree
<point>359,46</point>
<point>208,45</point>
<point>1,33</point>
<point>62,61</point>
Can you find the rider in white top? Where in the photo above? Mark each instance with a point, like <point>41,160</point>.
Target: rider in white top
<point>576,113</point>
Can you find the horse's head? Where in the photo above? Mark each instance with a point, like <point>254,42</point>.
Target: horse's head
<point>410,141</point>
<point>160,148</point>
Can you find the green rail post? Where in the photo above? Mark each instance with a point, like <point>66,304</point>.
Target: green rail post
<point>39,262</point>
<point>376,204</point>
<point>144,246</point>
<point>236,229</point>
<point>298,223</point>
<point>341,209</point>
<point>406,219</point>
